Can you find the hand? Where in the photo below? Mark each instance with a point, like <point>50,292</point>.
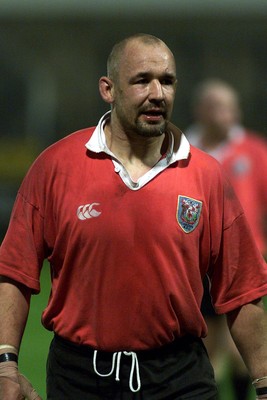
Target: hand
<point>9,390</point>
<point>26,389</point>
<point>13,385</point>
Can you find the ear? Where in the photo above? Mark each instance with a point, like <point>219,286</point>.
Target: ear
<point>106,89</point>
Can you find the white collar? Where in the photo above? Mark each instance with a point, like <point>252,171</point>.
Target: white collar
<point>221,150</point>
<point>179,149</point>
<point>97,143</point>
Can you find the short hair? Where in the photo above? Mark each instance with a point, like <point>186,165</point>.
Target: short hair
<point>116,53</point>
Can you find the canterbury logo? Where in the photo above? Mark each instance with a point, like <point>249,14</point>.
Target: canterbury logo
<point>88,211</point>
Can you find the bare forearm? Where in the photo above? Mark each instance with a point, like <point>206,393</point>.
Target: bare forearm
<point>14,308</point>
<point>248,327</point>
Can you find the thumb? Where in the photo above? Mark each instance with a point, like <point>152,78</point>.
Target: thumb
<point>27,390</point>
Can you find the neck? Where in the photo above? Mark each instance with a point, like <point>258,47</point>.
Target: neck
<point>136,149</point>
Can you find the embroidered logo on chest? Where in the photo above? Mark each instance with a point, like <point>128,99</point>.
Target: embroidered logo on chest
<point>88,211</point>
<point>188,213</point>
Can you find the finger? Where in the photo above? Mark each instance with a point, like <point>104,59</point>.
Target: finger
<point>27,390</point>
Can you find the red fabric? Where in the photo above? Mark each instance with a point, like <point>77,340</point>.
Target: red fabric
<point>245,162</point>
<point>129,277</point>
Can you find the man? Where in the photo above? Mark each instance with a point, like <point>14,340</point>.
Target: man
<point>131,219</point>
<point>243,155</point>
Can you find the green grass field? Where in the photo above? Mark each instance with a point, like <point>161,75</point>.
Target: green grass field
<point>36,341</point>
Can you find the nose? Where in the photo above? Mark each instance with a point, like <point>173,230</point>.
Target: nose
<point>156,91</point>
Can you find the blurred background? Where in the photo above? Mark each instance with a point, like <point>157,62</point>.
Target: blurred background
<point>54,51</point>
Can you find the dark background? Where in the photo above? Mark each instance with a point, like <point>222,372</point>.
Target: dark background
<point>53,53</point>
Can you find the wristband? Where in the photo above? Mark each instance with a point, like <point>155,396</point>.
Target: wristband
<point>8,346</point>
<point>257,380</point>
<point>8,357</point>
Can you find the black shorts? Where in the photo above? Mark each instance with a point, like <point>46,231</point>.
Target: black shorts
<point>180,370</point>
<point>207,306</point>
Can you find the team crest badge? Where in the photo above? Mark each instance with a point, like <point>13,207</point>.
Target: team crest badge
<point>188,213</point>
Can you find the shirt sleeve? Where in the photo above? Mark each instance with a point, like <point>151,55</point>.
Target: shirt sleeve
<point>239,273</point>
<point>23,249</point>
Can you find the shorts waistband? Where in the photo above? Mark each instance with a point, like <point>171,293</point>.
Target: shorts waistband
<point>88,351</point>
<point>116,356</point>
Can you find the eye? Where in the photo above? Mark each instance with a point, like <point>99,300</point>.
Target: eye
<point>141,81</point>
<point>167,81</point>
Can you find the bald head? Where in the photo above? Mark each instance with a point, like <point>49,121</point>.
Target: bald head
<point>212,88</point>
<point>216,105</point>
<point>118,51</point>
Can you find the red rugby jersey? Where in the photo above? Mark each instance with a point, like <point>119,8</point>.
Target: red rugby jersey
<point>127,265</point>
<point>245,162</point>
<point>244,158</point>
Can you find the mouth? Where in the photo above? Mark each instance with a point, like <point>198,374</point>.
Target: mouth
<point>153,115</point>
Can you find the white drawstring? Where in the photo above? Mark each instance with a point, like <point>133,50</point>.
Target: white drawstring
<point>116,360</point>
<point>112,366</point>
<point>117,376</point>
<point>135,365</point>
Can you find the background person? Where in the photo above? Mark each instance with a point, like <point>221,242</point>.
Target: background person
<point>131,218</point>
<point>243,154</point>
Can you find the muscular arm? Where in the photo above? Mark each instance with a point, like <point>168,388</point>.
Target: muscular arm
<point>248,327</point>
<point>14,309</point>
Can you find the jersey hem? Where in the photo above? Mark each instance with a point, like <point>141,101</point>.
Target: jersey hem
<point>241,300</point>
<point>25,280</point>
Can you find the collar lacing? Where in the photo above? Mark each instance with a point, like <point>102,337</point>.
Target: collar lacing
<point>116,359</point>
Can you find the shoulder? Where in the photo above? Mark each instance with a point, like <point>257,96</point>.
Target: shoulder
<point>204,160</point>
<point>208,172</point>
<point>255,139</point>
<point>72,145</point>
<point>59,158</point>
<point>254,146</point>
